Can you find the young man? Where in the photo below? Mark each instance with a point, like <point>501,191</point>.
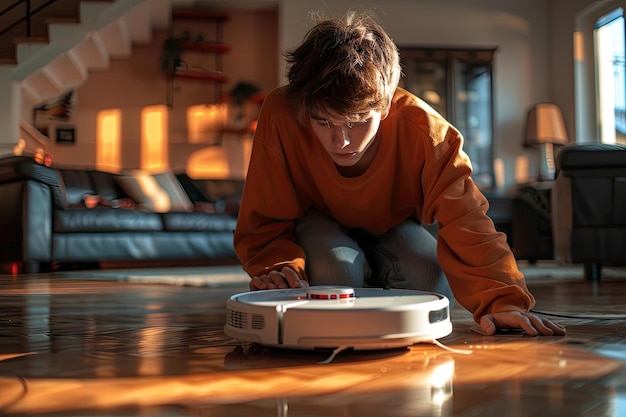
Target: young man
<point>346,168</point>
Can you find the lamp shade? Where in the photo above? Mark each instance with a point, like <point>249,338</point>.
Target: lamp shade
<point>545,125</point>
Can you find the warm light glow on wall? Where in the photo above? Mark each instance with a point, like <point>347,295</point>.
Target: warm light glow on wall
<point>108,134</point>
<point>499,172</point>
<point>205,122</point>
<point>579,48</point>
<point>521,169</point>
<point>209,163</point>
<point>154,143</point>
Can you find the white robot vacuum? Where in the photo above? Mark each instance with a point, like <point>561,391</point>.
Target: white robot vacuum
<point>324,317</point>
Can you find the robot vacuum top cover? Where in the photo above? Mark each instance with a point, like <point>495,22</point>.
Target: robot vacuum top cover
<point>321,317</point>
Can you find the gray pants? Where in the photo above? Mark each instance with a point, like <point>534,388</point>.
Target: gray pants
<point>403,257</point>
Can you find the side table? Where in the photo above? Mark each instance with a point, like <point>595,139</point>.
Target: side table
<point>532,226</point>
<point>501,211</point>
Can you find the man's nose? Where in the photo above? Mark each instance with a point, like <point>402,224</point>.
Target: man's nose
<point>341,137</point>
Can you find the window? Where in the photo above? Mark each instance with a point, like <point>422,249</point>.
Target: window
<point>457,83</point>
<point>154,141</point>
<point>108,140</point>
<point>611,77</point>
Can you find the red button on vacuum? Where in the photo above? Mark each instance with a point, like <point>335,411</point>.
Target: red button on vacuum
<point>328,292</point>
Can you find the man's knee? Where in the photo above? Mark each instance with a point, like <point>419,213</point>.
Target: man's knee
<point>341,266</point>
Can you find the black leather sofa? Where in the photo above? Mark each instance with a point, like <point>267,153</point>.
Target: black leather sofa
<point>44,220</point>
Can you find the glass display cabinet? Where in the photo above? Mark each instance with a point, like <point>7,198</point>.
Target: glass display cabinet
<point>458,84</point>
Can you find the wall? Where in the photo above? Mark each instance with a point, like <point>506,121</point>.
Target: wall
<point>134,82</point>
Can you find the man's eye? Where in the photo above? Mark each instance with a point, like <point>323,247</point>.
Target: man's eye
<point>359,123</point>
<point>349,125</point>
<point>323,122</point>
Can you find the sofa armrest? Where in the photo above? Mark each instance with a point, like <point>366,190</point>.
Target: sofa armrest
<point>26,216</point>
<point>21,168</point>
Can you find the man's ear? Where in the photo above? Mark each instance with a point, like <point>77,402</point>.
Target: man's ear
<point>384,114</point>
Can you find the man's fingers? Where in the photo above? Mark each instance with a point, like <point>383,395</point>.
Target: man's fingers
<point>532,327</point>
<point>264,282</point>
<point>512,320</point>
<point>558,329</point>
<point>547,327</point>
<point>487,325</point>
<point>257,284</point>
<point>540,326</point>
<point>285,278</point>
<point>278,279</point>
<point>530,323</point>
<point>292,277</point>
<point>543,326</point>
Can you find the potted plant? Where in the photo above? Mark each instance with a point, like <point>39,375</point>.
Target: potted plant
<point>170,57</point>
<point>239,94</point>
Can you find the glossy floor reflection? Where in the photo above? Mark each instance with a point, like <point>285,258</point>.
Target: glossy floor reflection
<point>72,346</point>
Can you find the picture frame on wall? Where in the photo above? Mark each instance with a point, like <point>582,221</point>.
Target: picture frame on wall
<point>56,112</point>
<point>66,135</point>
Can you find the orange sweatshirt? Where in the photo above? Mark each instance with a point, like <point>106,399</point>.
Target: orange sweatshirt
<point>419,172</point>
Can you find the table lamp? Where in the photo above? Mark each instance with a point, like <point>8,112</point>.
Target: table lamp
<point>544,129</point>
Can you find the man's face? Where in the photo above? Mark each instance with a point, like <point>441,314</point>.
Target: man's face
<point>346,142</point>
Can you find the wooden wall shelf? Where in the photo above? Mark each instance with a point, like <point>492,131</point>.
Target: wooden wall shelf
<point>204,46</point>
<point>199,75</point>
<point>215,46</point>
<point>198,14</point>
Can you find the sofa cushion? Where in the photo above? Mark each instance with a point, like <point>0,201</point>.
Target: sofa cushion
<point>76,183</point>
<point>192,189</point>
<point>178,198</point>
<point>105,185</point>
<point>222,190</point>
<point>159,193</point>
<point>199,222</point>
<point>105,220</point>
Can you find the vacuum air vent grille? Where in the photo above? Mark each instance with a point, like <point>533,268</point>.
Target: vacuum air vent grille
<point>258,322</point>
<point>237,319</point>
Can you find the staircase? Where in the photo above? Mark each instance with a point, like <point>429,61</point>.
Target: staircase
<point>69,42</point>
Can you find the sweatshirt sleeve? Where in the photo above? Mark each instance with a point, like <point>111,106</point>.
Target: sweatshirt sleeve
<point>476,259</point>
<point>264,236</point>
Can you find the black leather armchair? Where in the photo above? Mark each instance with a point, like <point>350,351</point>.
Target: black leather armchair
<point>588,206</point>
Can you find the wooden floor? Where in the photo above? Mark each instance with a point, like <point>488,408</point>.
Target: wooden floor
<point>84,346</point>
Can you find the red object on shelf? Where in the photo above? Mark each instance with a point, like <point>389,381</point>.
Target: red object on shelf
<point>217,77</point>
<point>191,14</point>
<point>205,46</point>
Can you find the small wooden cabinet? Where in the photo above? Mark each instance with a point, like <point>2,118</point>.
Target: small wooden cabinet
<point>501,212</point>
<point>532,226</point>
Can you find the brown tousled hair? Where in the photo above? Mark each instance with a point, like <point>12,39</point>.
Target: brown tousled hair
<point>345,67</point>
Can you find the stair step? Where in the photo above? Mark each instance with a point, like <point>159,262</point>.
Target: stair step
<point>8,55</point>
<point>30,39</point>
<point>8,61</point>
<point>67,71</point>
<point>64,20</point>
<point>91,10</point>
<point>84,40</point>
<point>50,23</point>
<point>24,50</point>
